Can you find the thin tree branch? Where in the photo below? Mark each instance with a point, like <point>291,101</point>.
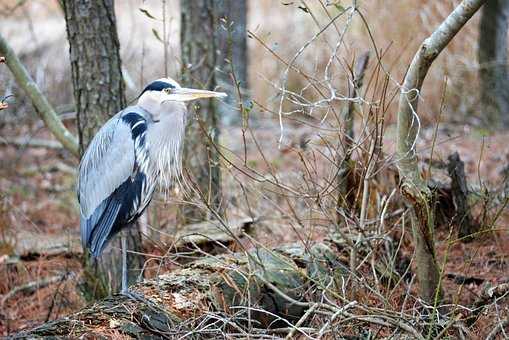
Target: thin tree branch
<point>408,121</point>
<point>31,142</point>
<point>43,107</point>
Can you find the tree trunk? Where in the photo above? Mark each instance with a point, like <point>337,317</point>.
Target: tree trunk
<point>207,43</point>
<point>99,93</point>
<point>413,187</point>
<point>493,62</point>
<point>232,57</point>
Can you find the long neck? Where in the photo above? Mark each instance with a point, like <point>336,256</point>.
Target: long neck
<point>166,139</point>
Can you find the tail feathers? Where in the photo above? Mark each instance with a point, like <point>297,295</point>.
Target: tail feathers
<point>96,231</point>
<point>87,225</point>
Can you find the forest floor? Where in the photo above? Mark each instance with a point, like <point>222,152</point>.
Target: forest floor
<point>38,206</point>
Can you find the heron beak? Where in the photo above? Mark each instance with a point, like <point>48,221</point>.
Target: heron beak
<point>184,94</point>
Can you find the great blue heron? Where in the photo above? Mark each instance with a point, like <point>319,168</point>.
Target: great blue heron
<point>137,148</point>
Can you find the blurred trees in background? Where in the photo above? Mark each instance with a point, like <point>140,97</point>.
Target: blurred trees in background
<point>232,57</point>
<point>494,75</point>
<point>99,93</point>
<point>209,44</point>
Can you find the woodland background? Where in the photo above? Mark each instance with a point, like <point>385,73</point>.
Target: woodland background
<point>282,192</point>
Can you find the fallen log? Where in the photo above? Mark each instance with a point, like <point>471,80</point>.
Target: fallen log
<point>258,289</point>
<point>34,244</point>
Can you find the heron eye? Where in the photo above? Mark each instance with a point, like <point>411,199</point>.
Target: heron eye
<point>167,90</point>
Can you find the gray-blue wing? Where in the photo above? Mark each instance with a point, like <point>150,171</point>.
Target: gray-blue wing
<point>108,161</point>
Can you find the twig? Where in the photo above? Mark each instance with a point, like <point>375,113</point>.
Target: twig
<point>334,316</point>
<point>498,328</point>
<point>31,142</point>
<point>386,321</point>
<point>487,296</point>
<point>300,322</point>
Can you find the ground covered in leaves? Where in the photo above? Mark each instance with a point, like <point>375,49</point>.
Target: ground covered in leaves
<point>41,284</point>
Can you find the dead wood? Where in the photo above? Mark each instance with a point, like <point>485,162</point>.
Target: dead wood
<point>205,235</point>
<point>31,142</point>
<point>489,295</point>
<point>465,280</point>
<point>31,287</point>
<point>210,296</point>
<point>346,181</point>
<point>463,216</point>
<point>33,244</point>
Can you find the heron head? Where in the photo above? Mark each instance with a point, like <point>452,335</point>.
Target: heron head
<point>167,89</point>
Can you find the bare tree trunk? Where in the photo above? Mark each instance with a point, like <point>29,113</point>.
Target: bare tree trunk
<point>413,188</point>
<point>493,62</point>
<point>231,72</point>
<point>95,60</point>
<point>99,93</point>
<point>212,32</point>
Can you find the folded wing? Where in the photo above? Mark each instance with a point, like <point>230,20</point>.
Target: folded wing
<point>111,188</point>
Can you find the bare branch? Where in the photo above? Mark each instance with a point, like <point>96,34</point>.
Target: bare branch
<point>31,142</point>
<point>407,111</point>
<point>43,107</point>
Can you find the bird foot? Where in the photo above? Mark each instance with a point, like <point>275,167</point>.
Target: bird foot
<point>140,298</point>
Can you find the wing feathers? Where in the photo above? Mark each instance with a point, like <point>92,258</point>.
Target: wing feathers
<point>113,188</point>
<point>101,233</point>
<point>107,163</point>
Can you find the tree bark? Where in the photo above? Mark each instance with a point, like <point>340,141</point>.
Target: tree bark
<point>95,61</point>
<point>492,55</point>
<point>232,57</point>
<point>212,32</point>
<point>99,93</point>
<point>459,190</point>
<point>413,187</point>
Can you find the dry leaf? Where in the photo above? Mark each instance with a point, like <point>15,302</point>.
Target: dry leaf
<point>147,13</point>
<point>156,34</point>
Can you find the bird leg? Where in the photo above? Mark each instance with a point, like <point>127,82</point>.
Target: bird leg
<point>123,240</point>
<point>125,289</point>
